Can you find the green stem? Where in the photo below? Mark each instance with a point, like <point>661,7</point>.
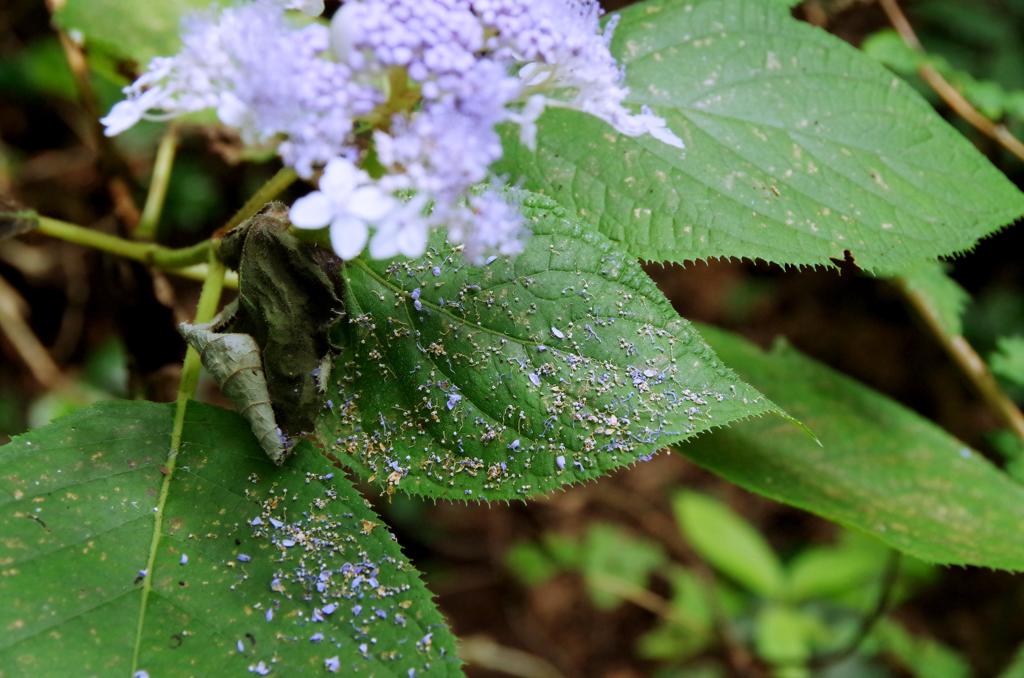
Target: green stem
<point>201,272</point>
<point>274,187</point>
<point>209,299</point>
<point>146,230</point>
<point>890,577</point>
<point>147,253</point>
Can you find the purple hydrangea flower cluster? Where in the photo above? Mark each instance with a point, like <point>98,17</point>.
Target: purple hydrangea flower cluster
<point>394,107</point>
<point>263,75</point>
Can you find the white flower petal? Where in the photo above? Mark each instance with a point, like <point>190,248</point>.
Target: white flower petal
<point>123,115</point>
<point>528,118</point>
<point>311,211</point>
<point>339,179</point>
<point>343,31</point>
<point>412,240</point>
<point>370,203</point>
<point>656,126</point>
<point>666,136</point>
<point>348,237</point>
<point>532,75</point>
<point>231,111</point>
<point>384,244</point>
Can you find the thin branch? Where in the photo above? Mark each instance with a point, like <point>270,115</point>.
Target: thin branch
<point>200,272</point>
<point>274,187</point>
<point>147,253</point>
<point>120,179</point>
<point>485,653</point>
<point>950,94</point>
<point>183,262</point>
<point>24,341</point>
<point>162,167</point>
<point>649,516</point>
<point>867,624</point>
<point>75,273</point>
<point>643,598</point>
<point>967,359</point>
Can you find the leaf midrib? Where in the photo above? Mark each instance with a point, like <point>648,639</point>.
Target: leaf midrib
<point>147,583</point>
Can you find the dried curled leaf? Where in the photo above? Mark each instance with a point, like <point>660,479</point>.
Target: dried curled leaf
<point>233,359</point>
<point>290,293</point>
<point>268,349</point>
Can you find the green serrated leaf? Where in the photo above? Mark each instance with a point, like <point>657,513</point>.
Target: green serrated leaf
<point>128,29</point>
<point>520,377</point>
<point>248,557</point>
<point>798,149</point>
<point>729,543</point>
<point>880,468</point>
<point>1008,360</point>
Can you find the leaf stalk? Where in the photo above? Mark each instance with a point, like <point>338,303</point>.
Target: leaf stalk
<point>274,187</point>
<point>146,253</point>
<point>162,169</point>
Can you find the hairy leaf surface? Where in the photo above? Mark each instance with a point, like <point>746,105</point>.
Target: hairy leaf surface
<point>522,376</point>
<point>798,148</point>
<point>248,558</point>
<point>881,468</point>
